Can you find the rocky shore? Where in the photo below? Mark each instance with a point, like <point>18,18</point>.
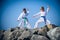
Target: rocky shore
<point>48,32</point>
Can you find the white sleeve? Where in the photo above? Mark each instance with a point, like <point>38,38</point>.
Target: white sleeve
<point>20,16</point>
<point>37,14</point>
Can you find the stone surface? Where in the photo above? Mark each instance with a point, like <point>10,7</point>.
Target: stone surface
<point>38,37</point>
<point>25,35</point>
<point>50,32</point>
<point>54,34</point>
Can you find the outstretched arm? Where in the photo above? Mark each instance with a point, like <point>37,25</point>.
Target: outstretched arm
<point>20,16</point>
<point>38,14</point>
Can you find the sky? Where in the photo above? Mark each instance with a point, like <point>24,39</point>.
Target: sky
<point>11,9</point>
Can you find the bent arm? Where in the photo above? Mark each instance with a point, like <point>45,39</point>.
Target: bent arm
<point>38,14</point>
<point>20,16</point>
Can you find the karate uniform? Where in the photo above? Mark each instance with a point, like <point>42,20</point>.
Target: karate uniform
<point>42,18</point>
<point>23,20</point>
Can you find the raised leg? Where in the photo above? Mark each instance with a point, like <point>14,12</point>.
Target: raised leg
<point>40,20</point>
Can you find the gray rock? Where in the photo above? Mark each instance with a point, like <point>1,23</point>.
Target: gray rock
<point>43,31</point>
<point>13,29</point>
<point>31,34</point>
<point>54,34</point>
<point>50,26</point>
<point>12,34</point>
<point>40,31</point>
<point>6,35</point>
<point>35,31</point>
<point>38,37</point>
<point>15,34</point>
<point>25,35</point>
<point>2,34</point>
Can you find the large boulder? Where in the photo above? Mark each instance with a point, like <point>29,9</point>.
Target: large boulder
<point>43,30</point>
<point>54,34</point>
<point>26,35</point>
<point>12,34</point>
<point>40,31</point>
<point>15,34</point>
<point>2,34</point>
<point>6,35</point>
<point>48,32</point>
<point>38,37</point>
<point>50,26</point>
<point>35,31</point>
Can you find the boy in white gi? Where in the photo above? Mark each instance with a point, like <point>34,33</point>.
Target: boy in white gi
<point>42,15</point>
<point>23,19</point>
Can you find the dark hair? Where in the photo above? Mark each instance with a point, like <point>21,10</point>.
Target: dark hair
<point>24,9</point>
<point>42,8</point>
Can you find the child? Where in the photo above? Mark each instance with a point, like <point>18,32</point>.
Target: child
<point>42,15</point>
<point>23,18</point>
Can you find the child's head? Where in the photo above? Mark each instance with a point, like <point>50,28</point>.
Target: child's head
<point>24,10</point>
<point>42,8</point>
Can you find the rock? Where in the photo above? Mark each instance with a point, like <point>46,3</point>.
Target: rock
<point>35,31</point>
<point>6,35</point>
<point>13,29</point>
<point>15,34</point>
<point>2,34</point>
<point>38,37</point>
<point>43,30</point>
<point>12,34</point>
<point>50,26</point>
<point>25,35</point>
<point>40,31</point>
<point>48,32</point>
<point>54,34</point>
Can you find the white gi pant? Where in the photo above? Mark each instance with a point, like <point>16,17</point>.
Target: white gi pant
<point>23,24</point>
<point>41,20</point>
